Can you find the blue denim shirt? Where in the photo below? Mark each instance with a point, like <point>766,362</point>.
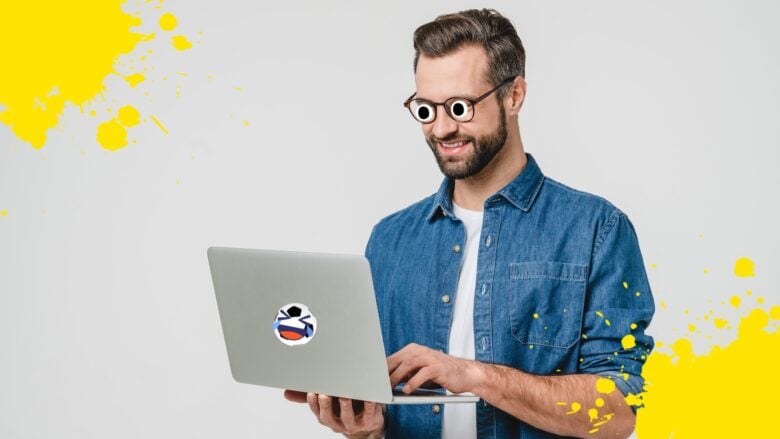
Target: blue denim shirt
<point>560,281</point>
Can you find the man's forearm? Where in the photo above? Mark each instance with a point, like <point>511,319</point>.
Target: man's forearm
<point>567,405</point>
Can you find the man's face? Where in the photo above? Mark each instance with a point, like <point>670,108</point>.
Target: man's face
<point>461,149</point>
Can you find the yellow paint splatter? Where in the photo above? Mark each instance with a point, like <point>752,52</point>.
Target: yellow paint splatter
<point>112,135</point>
<point>774,313</point>
<point>536,316</point>
<point>744,267</point>
<point>735,301</point>
<point>180,42</point>
<point>605,385</point>
<point>168,22</point>
<point>593,414</point>
<point>682,399</point>
<point>720,323</point>
<point>628,341</point>
<point>129,116</point>
<point>575,407</point>
<point>3,213</point>
<point>692,327</point>
<point>159,124</point>
<point>633,326</point>
<point>625,284</point>
<point>599,402</point>
<point>135,79</point>
<point>57,54</point>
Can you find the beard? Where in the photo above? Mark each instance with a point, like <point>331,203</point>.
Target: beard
<point>484,148</point>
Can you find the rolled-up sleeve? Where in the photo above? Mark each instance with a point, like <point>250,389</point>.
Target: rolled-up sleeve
<point>618,309</point>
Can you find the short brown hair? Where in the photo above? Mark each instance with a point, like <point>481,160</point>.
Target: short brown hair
<point>485,27</point>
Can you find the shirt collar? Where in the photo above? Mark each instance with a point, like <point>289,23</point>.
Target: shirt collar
<point>521,191</point>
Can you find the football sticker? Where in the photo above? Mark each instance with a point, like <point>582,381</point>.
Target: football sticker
<point>295,324</point>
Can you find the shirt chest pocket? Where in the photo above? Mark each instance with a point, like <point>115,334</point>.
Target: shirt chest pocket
<point>546,302</point>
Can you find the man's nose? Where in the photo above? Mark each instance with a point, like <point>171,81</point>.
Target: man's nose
<point>443,125</point>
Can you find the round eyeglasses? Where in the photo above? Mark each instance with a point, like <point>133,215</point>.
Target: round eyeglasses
<point>458,108</point>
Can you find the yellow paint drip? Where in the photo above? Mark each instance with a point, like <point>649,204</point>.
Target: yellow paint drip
<point>57,54</point>
<point>728,392</point>
<point>180,42</point>
<point>744,267</point>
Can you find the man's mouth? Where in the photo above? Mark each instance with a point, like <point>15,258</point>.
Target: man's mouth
<point>453,147</point>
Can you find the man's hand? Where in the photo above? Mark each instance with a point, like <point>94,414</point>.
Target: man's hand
<point>339,415</point>
<point>420,366</point>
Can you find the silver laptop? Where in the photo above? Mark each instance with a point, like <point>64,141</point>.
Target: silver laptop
<point>307,322</point>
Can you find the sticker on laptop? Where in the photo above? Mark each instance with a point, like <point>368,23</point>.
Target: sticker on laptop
<point>295,324</point>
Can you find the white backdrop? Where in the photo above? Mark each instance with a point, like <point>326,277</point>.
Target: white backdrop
<point>108,322</point>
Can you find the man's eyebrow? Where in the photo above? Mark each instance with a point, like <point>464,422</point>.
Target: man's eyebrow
<point>459,95</point>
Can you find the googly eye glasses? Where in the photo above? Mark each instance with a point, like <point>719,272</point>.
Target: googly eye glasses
<point>459,109</point>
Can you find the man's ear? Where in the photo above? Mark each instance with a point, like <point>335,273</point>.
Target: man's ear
<point>515,96</point>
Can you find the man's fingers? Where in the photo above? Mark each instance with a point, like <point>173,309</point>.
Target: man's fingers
<point>295,396</point>
<point>422,376</point>
<point>314,404</point>
<point>347,414</point>
<point>326,414</point>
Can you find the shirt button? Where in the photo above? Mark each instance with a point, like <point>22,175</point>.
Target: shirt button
<point>436,409</point>
<point>445,298</point>
<point>456,248</point>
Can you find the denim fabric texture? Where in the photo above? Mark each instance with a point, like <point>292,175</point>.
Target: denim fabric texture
<point>560,281</point>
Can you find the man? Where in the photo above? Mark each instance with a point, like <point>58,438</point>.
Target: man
<point>505,283</point>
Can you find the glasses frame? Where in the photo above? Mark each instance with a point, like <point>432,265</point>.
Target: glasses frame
<point>472,102</point>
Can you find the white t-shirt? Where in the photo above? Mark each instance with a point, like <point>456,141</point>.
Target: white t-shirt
<point>460,420</point>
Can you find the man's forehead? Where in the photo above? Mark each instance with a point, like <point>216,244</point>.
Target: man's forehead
<point>459,73</point>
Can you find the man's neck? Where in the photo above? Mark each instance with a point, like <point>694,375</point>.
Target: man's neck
<point>471,193</point>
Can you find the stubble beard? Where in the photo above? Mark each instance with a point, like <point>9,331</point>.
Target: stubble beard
<point>484,149</point>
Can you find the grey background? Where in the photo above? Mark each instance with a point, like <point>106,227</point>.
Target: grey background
<point>108,322</point>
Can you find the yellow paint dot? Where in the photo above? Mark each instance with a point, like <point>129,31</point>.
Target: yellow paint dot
<point>625,284</point>
<point>692,327</point>
<point>748,292</point>
<point>129,116</point>
<point>774,312</point>
<point>599,402</point>
<point>638,294</point>
<point>605,385</point>
<point>600,314</point>
<point>760,300</point>
<point>706,271</point>
<point>663,305</point>
<point>181,42</point>
<point>744,267</point>
<point>246,123</point>
<point>112,135</point>
<point>593,414</point>
<point>628,341</point>
<point>607,322</point>
<point>135,79</point>
<point>633,326</point>
<point>653,266</point>
<point>720,323</point>
<point>3,213</point>
<point>530,346</point>
<point>536,316</point>
<point>575,407</point>
<point>735,301</point>
<point>168,22</point>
